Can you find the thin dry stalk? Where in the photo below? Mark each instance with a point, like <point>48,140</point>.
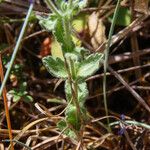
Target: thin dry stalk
<point>135,45</point>
<point>6,105</point>
<point>131,90</point>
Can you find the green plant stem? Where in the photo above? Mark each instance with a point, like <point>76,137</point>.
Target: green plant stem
<point>70,3</point>
<point>52,7</point>
<point>73,88</point>
<point>16,48</point>
<point>67,30</point>
<point>71,71</point>
<point>130,122</point>
<point>106,57</point>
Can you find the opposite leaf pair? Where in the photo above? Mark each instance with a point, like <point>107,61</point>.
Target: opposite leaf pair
<point>83,69</point>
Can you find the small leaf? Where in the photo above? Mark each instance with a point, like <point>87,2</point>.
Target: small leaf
<point>23,87</point>
<point>71,134</point>
<point>55,66</point>
<point>90,65</point>
<point>59,31</point>
<point>81,52</point>
<point>77,6</point>
<point>48,23</point>
<point>82,92</point>
<point>16,98</point>
<point>68,91</point>
<point>15,95</point>
<point>12,92</point>
<point>27,98</point>
<point>72,117</point>
<point>62,125</point>
<point>61,36</point>
<point>71,56</point>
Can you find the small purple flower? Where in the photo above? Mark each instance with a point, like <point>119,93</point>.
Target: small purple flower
<point>121,131</point>
<point>122,117</point>
<point>31,1</point>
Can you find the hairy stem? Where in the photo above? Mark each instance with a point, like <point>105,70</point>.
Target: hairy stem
<point>67,30</point>
<point>73,89</point>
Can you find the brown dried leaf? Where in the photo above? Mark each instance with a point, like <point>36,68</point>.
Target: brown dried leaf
<point>96,30</point>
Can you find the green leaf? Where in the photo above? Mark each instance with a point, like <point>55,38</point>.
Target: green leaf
<point>70,133</point>
<point>90,65</point>
<point>33,17</point>
<point>15,95</point>
<point>81,4</point>
<point>77,6</point>
<point>72,117</point>
<point>59,31</point>
<point>82,92</point>
<point>27,98</point>
<point>68,91</point>
<point>23,88</point>
<point>12,92</point>
<point>62,125</point>
<point>16,98</point>
<point>124,18</point>
<point>55,66</point>
<point>48,23</point>
<point>81,52</point>
<point>61,37</point>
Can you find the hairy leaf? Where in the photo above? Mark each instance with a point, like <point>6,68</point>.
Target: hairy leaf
<point>48,23</point>
<point>59,32</point>
<point>62,125</point>
<point>78,5</point>
<point>68,91</point>
<point>72,117</point>
<point>55,66</point>
<point>90,65</point>
<point>82,92</point>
